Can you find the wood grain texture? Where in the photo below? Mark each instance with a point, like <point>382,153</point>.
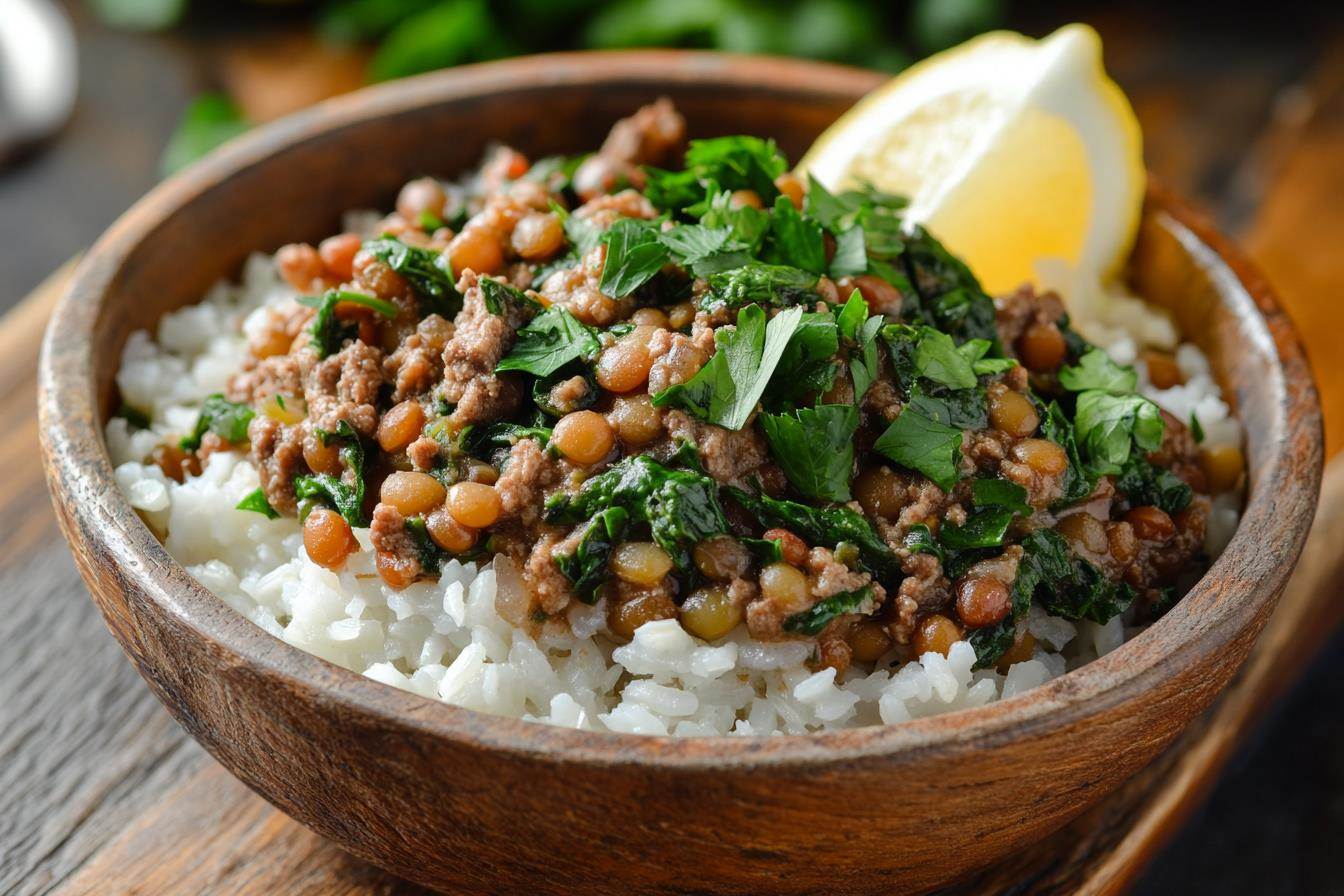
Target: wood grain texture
<point>354,760</point>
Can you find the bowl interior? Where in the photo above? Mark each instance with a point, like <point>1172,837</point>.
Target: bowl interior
<point>292,180</point>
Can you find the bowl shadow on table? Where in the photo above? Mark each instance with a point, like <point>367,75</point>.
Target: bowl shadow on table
<point>471,803</point>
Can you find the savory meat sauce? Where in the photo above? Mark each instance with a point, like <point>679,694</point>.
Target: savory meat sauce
<point>713,393</point>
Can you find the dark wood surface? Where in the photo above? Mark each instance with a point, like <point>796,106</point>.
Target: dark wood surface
<point>102,793</point>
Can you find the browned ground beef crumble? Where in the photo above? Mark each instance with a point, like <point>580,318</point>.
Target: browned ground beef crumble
<point>413,386</point>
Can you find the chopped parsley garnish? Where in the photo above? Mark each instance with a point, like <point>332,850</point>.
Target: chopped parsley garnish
<point>762,284</point>
<point>794,240</point>
<point>923,444</point>
<point>1000,493</point>
<point>1096,370</point>
<point>634,256</point>
<point>226,419</point>
<point>256,502</point>
<point>549,341</point>
<point>726,389</point>
<point>815,448</point>
<point>1108,426</point>
<point>851,254</point>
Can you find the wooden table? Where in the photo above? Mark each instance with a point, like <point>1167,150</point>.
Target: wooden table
<point>102,793</point>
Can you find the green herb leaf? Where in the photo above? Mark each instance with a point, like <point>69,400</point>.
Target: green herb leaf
<point>226,419</point>
<point>919,540</point>
<point>257,503</point>
<point>922,444</point>
<point>809,359</point>
<point>586,565</point>
<point>813,621</point>
<point>937,359</point>
<point>429,273</point>
<point>738,163</point>
<point>427,552</point>
<point>851,254</point>
<point>328,332</point>
<point>634,256</point>
<point>1108,425</point>
<point>704,250</point>
<point>726,389</point>
<point>1096,370</point>
<point>762,284</point>
<point>1079,481</point>
<point>795,240</point>
<point>502,299</point>
<point>815,448</point>
<point>549,341</point>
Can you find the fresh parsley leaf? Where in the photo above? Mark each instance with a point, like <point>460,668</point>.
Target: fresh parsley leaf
<point>809,360</point>
<point>738,163</point>
<point>815,448</point>
<point>256,502</point>
<point>672,191</point>
<point>924,445</point>
<point>795,240</point>
<point>226,419</point>
<point>813,620</point>
<point>764,284</point>
<point>347,499</point>
<point>1107,426</point>
<point>958,408</point>
<point>586,564</point>
<point>851,254</point>
<point>1096,370</point>
<point>429,273</point>
<point>704,250</point>
<point>726,389</point>
<point>550,341</point>
<point>937,359</point>
<point>634,256</point>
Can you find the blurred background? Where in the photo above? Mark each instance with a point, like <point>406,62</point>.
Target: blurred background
<point>1242,108</point>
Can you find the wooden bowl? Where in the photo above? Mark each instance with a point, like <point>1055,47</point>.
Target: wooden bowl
<point>477,804</point>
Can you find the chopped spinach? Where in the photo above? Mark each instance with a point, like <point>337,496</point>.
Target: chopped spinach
<point>764,550</point>
<point>1145,484</point>
<point>586,565</point>
<point>327,331</point>
<point>1000,493</point>
<point>226,419</point>
<point>504,300</point>
<point>822,526</point>
<point>815,448</point>
<point>986,527</point>
<point>681,507</point>
<point>704,250</point>
<point>812,621</point>
<point>429,273</point>
<point>347,499</point>
<point>919,540</point>
<point>1079,481</point>
<point>992,642</point>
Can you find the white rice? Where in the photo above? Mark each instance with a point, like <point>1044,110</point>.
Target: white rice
<point>445,641</point>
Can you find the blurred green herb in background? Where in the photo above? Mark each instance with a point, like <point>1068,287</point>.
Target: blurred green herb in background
<point>413,36</point>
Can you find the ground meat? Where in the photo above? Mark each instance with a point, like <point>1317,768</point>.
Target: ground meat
<point>882,401</point>
<point>543,578</point>
<point>923,590</point>
<point>528,471</point>
<point>568,395</point>
<point>423,453</point>
<point>1180,452</point>
<point>603,211</point>
<point>730,456</point>
<point>676,358</point>
<point>417,363</point>
<point>480,339</point>
<point>277,452</point>
<point>828,576</point>
<point>1161,563</point>
<point>649,137</point>
<point>1017,311</point>
<point>345,386</point>
<point>276,375</point>
<point>393,543</point>
<point>576,290</point>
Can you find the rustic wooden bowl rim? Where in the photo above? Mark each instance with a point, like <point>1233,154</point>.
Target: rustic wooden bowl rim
<point>71,418</point>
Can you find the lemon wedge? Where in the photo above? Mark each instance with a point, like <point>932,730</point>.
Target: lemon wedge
<point>1011,150</point>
